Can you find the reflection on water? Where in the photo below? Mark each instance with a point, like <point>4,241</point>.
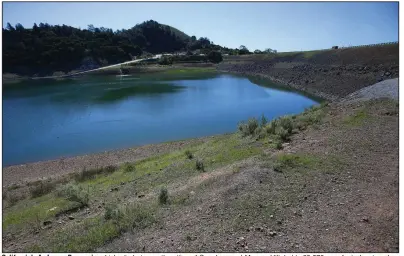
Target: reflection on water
<point>49,119</point>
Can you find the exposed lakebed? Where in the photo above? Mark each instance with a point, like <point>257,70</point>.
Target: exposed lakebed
<point>48,119</point>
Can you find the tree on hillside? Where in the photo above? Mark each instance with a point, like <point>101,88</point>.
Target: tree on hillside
<point>257,51</point>
<point>243,50</point>
<point>9,27</point>
<point>215,57</point>
<point>269,50</point>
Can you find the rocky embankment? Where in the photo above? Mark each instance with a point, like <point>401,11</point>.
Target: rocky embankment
<point>328,74</point>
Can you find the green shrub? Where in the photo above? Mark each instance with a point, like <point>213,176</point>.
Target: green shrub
<point>128,167</point>
<point>248,128</point>
<point>270,128</point>
<point>13,197</point>
<point>92,173</point>
<point>189,154</point>
<point>215,57</point>
<point>286,123</point>
<point>163,197</point>
<point>113,212</point>
<point>199,165</point>
<point>282,133</point>
<point>75,193</point>
<point>264,121</point>
<point>136,216</point>
<point>41,188</point>
<point>165,60</point>
<point>278,145</point>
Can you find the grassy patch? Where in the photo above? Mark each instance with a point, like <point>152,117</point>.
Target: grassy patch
<point>75,193</point>
<point>128,167</point>
<point>357,119</point>
<point>92,173</point>
<point>95,232</point>
<point>41,187</point>
<point>35,211</point>
<point>281,128</point>
<point>189,154</point>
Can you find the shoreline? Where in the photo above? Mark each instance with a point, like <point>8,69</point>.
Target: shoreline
<point>55,168</point>
<point>299,88</point>
<point>23,173</point>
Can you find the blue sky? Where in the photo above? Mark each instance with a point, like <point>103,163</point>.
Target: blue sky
<point>284,26</point>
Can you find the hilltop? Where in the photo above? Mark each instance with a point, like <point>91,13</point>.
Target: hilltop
<point>45,49</point>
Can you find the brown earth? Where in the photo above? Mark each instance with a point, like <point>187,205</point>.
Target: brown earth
<point>349,204</point>
<point>330,74</point>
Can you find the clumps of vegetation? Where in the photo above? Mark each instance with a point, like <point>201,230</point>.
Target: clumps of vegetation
<point>282,128</point>
<point>13,198</point>
<point>165,60</point>
<point>92,173</point>
<point>311,116</point>
<point>199,165</point>
<point>264,121</point>
<point>215,57</point>
<point>113,212</point>
<point>128,167</point>
<point>287,161</point>
<point>163,196</point>
<point>357,119</point>
<point>41,187</point>
<point>189,154</point>
<point>249,127</point>
<point>129,217</point>
<point>74,193</point>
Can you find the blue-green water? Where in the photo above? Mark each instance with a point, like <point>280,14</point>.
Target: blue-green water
<point>45,120</point>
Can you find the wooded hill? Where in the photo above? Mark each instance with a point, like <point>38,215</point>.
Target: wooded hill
<point>45,49</point>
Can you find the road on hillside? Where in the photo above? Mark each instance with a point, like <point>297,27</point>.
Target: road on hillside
<point>106,67</point>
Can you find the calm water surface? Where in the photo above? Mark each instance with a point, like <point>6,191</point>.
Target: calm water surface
<point>45,120</point>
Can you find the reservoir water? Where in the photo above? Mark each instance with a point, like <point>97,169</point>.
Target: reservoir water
<point>48,119</point>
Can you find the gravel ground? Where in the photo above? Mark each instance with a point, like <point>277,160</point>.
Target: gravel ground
<point>384,89</point>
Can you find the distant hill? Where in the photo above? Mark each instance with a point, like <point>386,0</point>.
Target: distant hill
<point>45,49</point>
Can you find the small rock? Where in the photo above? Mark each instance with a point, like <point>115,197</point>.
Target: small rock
<point>47,222</point>
<point>260,206</point>
<point>365,219</point>
<point>71,218</point>
<point>122,183</point>
<point>271,216</point>
<point>140,196</point>
<point>387,73</point>
<point>260,229</point>
<point>279,222</point>
<point>192,193</point>
<point>272,233</point>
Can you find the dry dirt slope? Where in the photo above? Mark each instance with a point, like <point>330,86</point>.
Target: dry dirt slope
<point>337,192</point>
<point>332,188</point>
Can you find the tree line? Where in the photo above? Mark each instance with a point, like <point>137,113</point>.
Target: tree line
<point>45,49</point>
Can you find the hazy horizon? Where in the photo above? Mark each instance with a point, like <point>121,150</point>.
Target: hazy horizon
<point>284,26</point>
